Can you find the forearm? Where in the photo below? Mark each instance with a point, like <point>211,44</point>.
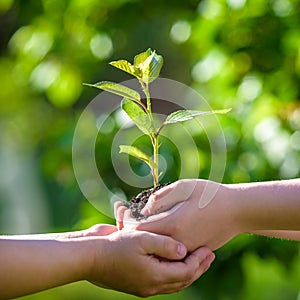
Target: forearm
<point>29,266</point>
<point>48,236</point>
<point>282,234</point>
<point>267,205</point>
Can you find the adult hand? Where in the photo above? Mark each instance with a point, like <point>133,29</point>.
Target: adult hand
<point>203,214</point>
<point>209,213</point>
<point>145,264</point>
<point>127,261</point>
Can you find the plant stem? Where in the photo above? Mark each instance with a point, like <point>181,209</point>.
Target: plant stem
<point>155,158</point>
<point>146,91</point>
<point>147,94</point>
<point>154,137</point>
<point>160,128</point>
<point>143,106</point>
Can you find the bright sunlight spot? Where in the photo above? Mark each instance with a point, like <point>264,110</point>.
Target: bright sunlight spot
<point>236,4</point>
<point>210,9</point>
<point>290,167</point>
<point>282,8</point>
<point>27,41</point>
<point>180,32</point>
<point>275,141</point>
<point>266,129</point>
<point>209,66</point>
<point>250,88</point>
<point>101,46</point>
<point>44,75</point>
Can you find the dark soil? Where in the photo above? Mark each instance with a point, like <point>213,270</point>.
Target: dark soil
<point>137,203</point>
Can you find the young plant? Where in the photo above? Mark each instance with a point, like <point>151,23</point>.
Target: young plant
<point>146,69</point>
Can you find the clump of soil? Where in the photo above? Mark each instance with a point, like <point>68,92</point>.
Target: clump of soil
<point>137,203</point>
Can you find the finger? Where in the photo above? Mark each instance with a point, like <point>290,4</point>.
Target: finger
<point>116,206</point>
<point>202,258</point>
<point>204,266</point>
<point>198,256</point>
<point>179,275</point>
<point>190,275</point>
<point>120,216</point>
<point>163,246</point>
<point>101,230</point>
<point>169,288</point>
<point>193,266</point>
<point>167,197</point>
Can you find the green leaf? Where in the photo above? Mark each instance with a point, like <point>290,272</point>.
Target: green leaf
<point>126,66</point>
<point>137,153</point>
<point>140,58</point>
<point>117,89</point>
<point>138,116</point>
<point>151,67</point>
<point>147,66</point>
<point>184,115</point>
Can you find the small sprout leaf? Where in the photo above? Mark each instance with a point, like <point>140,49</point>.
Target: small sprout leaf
<point>184,115</point>
<point>151,67</point>
<point>137,153</point>
<point>127,67</point>
<point>138,115</point>
<point>139,59</point>
<point>117,89</point>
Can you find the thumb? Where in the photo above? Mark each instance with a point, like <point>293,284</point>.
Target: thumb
<point>101,230</point>
<point>163,246</point>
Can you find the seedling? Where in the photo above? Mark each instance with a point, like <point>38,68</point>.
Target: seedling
<point>146,69</point>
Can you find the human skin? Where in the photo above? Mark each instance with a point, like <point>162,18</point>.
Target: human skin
<point>224,211</point>
<point>127,261</point>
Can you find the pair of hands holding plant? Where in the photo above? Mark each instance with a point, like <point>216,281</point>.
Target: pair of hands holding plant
<point>203,214</point>
<point>207,213</point>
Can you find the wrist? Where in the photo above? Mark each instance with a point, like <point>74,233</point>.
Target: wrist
<point>96,254</point>
<point>233,195</point>
<point>81,260</point>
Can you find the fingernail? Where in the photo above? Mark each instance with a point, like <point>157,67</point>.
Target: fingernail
<point>181,250</point>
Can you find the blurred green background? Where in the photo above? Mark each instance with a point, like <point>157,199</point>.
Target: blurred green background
<point>243,54</point>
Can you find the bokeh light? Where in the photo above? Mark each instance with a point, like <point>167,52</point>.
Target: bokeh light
<point>180,32</point>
